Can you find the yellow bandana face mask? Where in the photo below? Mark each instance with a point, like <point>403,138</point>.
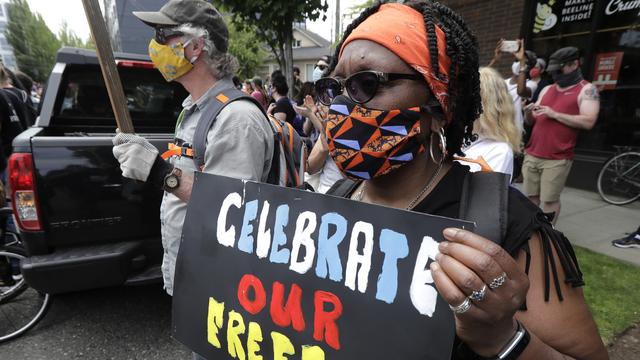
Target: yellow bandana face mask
<point>169,59</point>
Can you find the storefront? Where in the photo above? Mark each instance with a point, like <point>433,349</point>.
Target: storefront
<point>608,34</point>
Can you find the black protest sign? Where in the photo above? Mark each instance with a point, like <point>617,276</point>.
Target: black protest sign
<point>266,272</point>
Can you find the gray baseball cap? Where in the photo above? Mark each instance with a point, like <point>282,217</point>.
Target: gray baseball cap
<point>196,12</point>
<point>561,57</point>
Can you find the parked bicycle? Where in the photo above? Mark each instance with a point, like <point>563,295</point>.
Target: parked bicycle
<point>619,178</point>
<point>21,307</point>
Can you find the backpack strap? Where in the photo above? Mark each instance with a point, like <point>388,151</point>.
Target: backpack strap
<point>343,187</point>
<point>223,98</point>
<point>484,201</point>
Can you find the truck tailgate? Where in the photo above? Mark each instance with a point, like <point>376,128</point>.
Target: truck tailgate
<point>83,197</point>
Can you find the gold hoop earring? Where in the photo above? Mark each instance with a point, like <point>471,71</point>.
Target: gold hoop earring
<point>442,145</point>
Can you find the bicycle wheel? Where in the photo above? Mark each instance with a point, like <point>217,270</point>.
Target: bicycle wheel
<point>12,282</point>
<point>619,179</point>
<point>23,310</point>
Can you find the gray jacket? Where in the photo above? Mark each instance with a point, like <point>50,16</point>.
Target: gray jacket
<point>239,145</point>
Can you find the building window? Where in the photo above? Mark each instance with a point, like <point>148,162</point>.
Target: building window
<point>308,71</point>
<point>607,34</point>
<point>296,43</point>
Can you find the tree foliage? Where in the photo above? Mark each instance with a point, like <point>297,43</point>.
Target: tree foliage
<point>34,45</point>
<point>273,21</point>
<point>68,37</point>
<point>357,9</point>
<point>249,51</point>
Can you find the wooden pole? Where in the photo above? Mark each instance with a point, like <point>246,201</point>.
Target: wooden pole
<point>108,65</point>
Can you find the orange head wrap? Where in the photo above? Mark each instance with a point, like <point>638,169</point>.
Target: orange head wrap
<point>401,29</point>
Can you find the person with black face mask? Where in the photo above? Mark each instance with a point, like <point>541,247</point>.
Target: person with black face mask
<point>571,104</point>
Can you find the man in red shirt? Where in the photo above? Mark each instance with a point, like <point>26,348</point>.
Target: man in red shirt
<point>561,111</point>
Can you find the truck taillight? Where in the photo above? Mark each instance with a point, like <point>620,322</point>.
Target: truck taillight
<point>23,195</point>
<point>135,64</point>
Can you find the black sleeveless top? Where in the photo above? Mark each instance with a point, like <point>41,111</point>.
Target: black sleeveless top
<point>524,218</point>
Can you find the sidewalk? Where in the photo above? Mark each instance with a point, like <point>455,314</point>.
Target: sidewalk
<point>590,222</point>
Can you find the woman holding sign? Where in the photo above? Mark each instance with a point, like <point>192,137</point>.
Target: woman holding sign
<point>403,99</point>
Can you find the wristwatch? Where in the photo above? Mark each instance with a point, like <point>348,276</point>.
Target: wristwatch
<point>516,345</point>
<point>172,180</point>
<point>514,348</point>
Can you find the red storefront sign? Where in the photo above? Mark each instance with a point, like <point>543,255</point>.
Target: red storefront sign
<point>605,76</point>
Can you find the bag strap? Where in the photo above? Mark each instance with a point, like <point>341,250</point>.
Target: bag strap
<point>223,98</point>
<point>343,187</point>
<point>288,137</point>
<point>484,201</point>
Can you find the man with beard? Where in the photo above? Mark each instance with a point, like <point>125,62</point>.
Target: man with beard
<point>562,109</point>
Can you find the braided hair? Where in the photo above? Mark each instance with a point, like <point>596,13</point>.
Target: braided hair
<point>464,79</point>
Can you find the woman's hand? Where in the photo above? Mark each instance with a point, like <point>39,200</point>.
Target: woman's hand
<point>309,103</point>
<point>322,112</point>
<point>270,108</point>
<point>468,263</point>
<point>520,54</point>
<point>497,52</point>
<point>308,107</point>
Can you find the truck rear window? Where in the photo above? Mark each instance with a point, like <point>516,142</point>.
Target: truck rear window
<point>153,103</point>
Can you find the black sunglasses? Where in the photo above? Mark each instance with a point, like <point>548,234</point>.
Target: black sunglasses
<point>163,34</point>
<point>361,86</point>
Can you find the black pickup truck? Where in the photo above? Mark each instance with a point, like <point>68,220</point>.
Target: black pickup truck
<point>83,224</point>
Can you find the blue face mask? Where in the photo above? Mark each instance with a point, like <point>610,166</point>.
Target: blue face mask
<point>317,74</point>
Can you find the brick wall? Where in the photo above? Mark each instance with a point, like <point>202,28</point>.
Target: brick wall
<point>491,20</point>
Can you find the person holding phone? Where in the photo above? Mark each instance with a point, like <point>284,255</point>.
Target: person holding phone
<point>520,86</point>
<point>570,105</point>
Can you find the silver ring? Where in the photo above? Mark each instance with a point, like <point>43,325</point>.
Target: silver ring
<point>462,308</point>
<point>497,282</point>
<point>478,295</point>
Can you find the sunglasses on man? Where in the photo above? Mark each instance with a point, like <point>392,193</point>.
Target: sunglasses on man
<point>163,34</point>
<point>361,86</point>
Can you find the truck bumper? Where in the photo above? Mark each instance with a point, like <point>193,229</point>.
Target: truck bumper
<point>88,267</point>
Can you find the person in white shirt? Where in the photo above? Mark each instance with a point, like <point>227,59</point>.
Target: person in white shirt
<point>322,170</point>
<point>496,137</point>
<point>519,86</point>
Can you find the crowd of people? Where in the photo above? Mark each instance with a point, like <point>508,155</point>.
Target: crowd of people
<point>450,117</point>
<point>19,98</point>
<point>394,123</point>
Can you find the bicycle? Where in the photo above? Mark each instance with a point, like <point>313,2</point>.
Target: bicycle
<point>619,178</point>
<point>21,307</point>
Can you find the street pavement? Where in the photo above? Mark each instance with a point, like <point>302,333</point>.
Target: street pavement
<point>134,322</point>
<point>123,323</point>
<point>590,222</point>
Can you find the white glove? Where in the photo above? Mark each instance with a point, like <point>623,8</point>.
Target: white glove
<point>135,154</point>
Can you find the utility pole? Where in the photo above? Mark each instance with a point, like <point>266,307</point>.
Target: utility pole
<point>336,36</point>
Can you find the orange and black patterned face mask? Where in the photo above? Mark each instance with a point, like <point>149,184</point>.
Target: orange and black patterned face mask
<point>367,143</point>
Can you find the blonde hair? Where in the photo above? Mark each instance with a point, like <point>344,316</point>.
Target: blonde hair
<point>497,121</point>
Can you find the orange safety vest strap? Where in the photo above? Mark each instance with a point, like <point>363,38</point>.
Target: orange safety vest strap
<point>175,150</point>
